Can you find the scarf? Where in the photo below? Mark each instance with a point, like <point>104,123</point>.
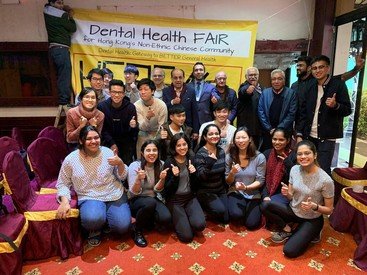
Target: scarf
<point>275,170</point>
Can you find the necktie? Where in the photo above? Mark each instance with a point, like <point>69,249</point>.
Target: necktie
<point>197,90</point>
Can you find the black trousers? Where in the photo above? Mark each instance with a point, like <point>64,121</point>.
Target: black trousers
<point>216,205</point>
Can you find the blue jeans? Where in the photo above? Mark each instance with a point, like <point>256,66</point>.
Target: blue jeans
<point>61,58</point>
<point>94,214</point>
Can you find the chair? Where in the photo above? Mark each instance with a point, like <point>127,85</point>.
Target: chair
<point>347,177</point>
<point>45,157</point>
<point>55,134</point>
<point>17,135</point>
<point>47,236</point>
<point>12,228</point>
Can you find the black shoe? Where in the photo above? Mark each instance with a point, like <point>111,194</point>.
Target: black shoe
<point>139,239</point>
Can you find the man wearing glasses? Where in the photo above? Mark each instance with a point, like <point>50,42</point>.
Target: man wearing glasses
<point>323,105</point>
<point>158,76</point>
<point>120,129</point>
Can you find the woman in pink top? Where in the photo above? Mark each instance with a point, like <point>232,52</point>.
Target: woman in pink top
<point>85,113</point>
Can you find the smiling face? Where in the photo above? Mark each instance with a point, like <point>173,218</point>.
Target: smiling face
<point>221,79</point>
<point>91,143</point>
<point>213,136</point>
<point>277,81</point>
<point>177,78</point>
<point>158,76</point>
<point>130,77</point>
<point>320,70</point>
<point>89,101</point>
<point>252,76</point>
<point>145,92</point>
<point>242,140</point>
<point>305,156</point>
<point>279,142</point>
<point>221,115</point>
<point>96,82</point>
<point>199,72</point>
<point>117,94</point>
<point>150,153</point>
<point>178,119</point>
<point>301,68</point>
<point>181,147</point>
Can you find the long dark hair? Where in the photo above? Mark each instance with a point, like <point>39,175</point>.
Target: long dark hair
<point>234,152</point>
<point>205,133</point>
<point>173,143</point>
<point>287,135</point>
<point>83,135</point>
<point>157,163</point>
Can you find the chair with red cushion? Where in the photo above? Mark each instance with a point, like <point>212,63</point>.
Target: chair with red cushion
<point>12,230</point>
<point>347,177</point>
<point>47,236</point>
<point>56,135</point>
<point>46,157</point>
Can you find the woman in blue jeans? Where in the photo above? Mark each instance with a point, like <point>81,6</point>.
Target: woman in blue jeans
<point>95,173</point>
<point>311,195</point>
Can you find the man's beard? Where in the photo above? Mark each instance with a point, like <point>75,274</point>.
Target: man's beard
<point>301,74</point>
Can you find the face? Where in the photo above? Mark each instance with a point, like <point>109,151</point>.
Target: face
<point>221,115</point>
<point>117,93</point>
<point>221,80</point>
<point>150,153</point>
<point>158,76</point>
<point>181,147</point>
<point>177,79</point>
<point>301,68</point>
<point>145,92</point>
<point>130,77</point>
<point>91,143</point>
<point>89,101</point>
<point>241,140</point>
<point>59,4</point>
<point>305,156</point>
<point>320,70</point>
<point>106,80</point>
<point>178,119</point>
<point>279,141</point>
<point>96,82</point>
<point>277,81</point>
<point>199,72</point>
<point>212,137</point>
<point>252,76</point>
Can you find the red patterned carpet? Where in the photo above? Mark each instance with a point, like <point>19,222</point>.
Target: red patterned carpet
<point>219,250</point>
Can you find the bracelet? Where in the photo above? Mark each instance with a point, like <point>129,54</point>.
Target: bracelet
<point>317,207</point>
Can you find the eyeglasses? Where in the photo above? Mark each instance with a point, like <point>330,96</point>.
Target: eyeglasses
<point>321,67</point>
<point>116,93</point>
<point>222,78</point>
<point>97,79</point>
<point>157,75</point>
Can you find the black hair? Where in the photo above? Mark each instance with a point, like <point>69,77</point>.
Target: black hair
<point>157,163</point>
<point>116,82</point>
<point>220,105</point>
<point>198,63</point>
<point>94,71</point>
<point>305,58</point>
<point>86,90</point>
<point>107,71</point>
<point>84,133</point>
<point>146,81</point>
<point>321,58</point>
<point>173,143</point>
<point>233,149</point>
<point>205,133</point>
<point>310,145</point>
<point>286,133</point>
<point>131,69</point>
<point>176,109</point>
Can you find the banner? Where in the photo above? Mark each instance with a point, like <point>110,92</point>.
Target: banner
<point>114,40</point>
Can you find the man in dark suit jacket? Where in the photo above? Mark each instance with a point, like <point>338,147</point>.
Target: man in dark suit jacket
<point>180,93</point>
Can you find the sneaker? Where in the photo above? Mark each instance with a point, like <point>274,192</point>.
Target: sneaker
<point>279,237</point>
<point>317,239</point>
<point>94,238</point>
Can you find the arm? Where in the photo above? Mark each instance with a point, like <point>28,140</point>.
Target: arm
<point>290,115</point>
<point>203,164</point>
<point>72,129</point>
<point>342,106</point>
<point>359,66</point>
<point>262,113</point>
<point>135,178</point>
<point>68,22</point>
<point>233,106</point>
<point>260,173</point>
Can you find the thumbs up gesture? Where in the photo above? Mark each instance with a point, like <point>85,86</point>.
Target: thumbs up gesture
<point>307,205</point>
<point>284,189</point>
<point>163,174</point>
<point>331,101</point>
<point>115,160</point>
<point>191,168</point>
<point>214,99</point>
<point>133,122</point>
<point>164,133</point>
<point>175,170</point>
<point>235,168</point>
<point>150,113</point>
<point>140,174</point>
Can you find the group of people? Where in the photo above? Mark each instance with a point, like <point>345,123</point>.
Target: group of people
<point>180,156</point>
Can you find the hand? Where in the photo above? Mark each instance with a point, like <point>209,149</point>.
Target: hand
<point>93,121</point>
<point>133,123</point>
<point>140,174</point>
<point>307,205</point>
<point>235,168</point>
<point>164,133</point>
<point>284,189</point>
<point>175,170</point>
<point>150,113</point>
<point>299,139</point>
<point>176,100</point>
<point>63,210</point>
<point>331,101</point>
<point>212,155</point>
<point>132,85</point>
<point>250,90</point>
<point>191,167</point>
<point>272,131</point>
<point>163,174</point>
<point>240,185</point>
<point>359,62</point>
<point>267,199</point>
<point>115,160</point>
<point>214,100</point>
<point>114,148</point>
<point>223,133</point>
<point>83,121</point>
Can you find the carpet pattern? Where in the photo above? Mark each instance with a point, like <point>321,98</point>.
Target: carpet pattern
<point>218,250</point>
